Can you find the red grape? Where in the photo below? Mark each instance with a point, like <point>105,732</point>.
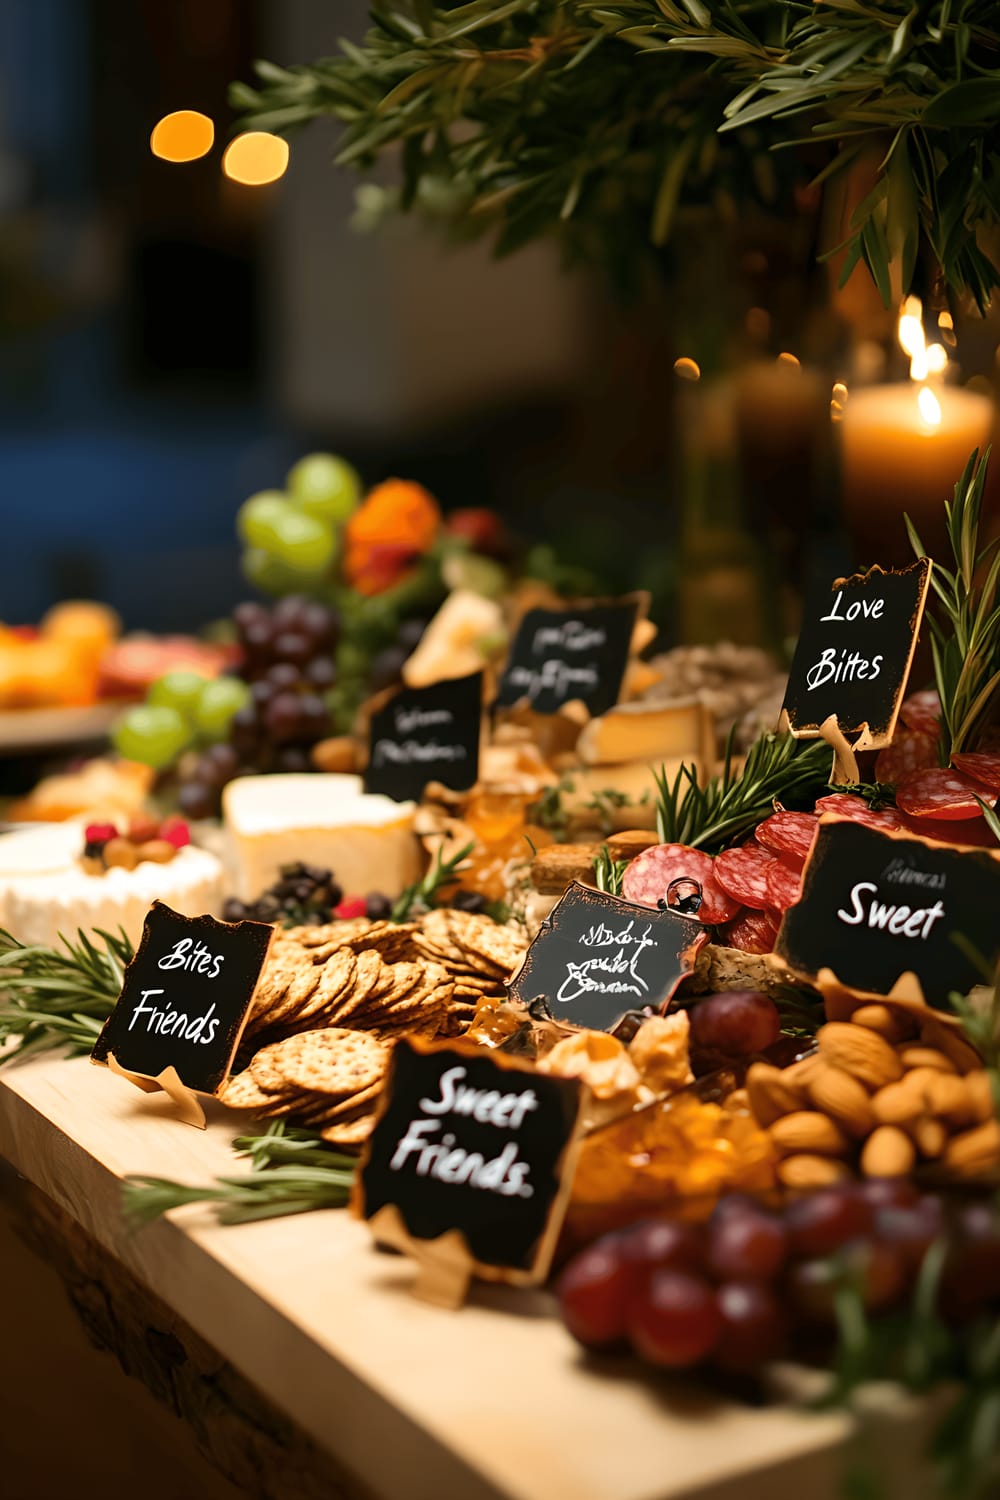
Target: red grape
<point>911,1229</point>
<point>749,1244</point>
<point>811,1287</point>
<point>257,639</point>
<point>593,1294</point>
<point>314,718</point>
<point>972,1273</point>
<point>674,1319</point>
<point>880,1269</point>
<point>821,1222</point>
<point>283,717</point>
<point>888,1192</point>
<point>754,1328</point>
<point>246,615</point>
<point>282,676</point>
<point>196,800</point>
<point>244,730</point>
<point>663,1242</point>
<point>738,1023</point>
<point>292,646</point>
<point>321,672</point>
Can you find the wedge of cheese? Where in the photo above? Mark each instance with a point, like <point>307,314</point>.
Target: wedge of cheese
<point>329,820</point>
<point>647,732</point>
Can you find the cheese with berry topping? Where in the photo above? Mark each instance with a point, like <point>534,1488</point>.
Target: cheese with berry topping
<point>45,890</point>
<point>367,840</point>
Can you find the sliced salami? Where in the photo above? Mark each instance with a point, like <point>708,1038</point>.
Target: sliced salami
<point>742,874</point>
<point>941,793</point>
<point>650,875</point>
<point>784,884</point>
<point>788,834</point>
<point>975,831</point>
<point>983,769</point>
<point>752,932</point>
<point>846,805</point>
<point>922,711</point>
<point>911,750</point>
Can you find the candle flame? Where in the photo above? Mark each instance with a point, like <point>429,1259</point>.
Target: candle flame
<point>930,407</point>
<point>925,359</point>
<point>687,368</point>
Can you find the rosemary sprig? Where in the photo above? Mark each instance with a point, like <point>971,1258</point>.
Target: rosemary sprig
<point>55,997</point>
<point>965,627</point>
<point>291,1172</point>
<point>608,872</point>
<point>420,896</point>
<point>731,805</point>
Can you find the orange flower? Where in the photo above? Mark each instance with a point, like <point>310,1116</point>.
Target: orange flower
<point>396,524</point>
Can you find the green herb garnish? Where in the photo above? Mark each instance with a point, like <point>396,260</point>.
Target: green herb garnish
<point>59,997</point>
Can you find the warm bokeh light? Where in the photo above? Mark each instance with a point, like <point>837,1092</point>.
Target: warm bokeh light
<point>182,136</point>
<point>687,369</point>
<point>838,400</point>
<point>256,158</point>
<point>788,359</point>
<point>930,407</point>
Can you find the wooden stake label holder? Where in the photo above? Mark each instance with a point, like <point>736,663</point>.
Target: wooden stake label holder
<point>469,1166</point>
<point>852,662</point>
<point>184,1002</point>
<point>880,913</point>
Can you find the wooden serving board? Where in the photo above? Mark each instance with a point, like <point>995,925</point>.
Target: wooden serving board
<point>490,1403</point>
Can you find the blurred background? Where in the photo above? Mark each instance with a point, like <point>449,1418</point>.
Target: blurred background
<point>170,341</point>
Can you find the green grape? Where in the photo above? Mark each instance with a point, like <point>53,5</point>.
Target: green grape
<point>221,697</point>
<point>152,734</point>
<point>303,543</point>
<point>325,486</point>
<point>180,690</point>
<point>266,572</point>
<point>256,517</point>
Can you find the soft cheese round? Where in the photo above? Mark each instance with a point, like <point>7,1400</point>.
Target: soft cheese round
<point>44,890</point>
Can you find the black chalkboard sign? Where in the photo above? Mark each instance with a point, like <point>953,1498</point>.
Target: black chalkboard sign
<point>596,957</point>
<point>877,905</point>
<point>471,1143</point>
<point>185,999</point>
<point>426,734</point>
<point>854,653</point>
<point>558,656</point>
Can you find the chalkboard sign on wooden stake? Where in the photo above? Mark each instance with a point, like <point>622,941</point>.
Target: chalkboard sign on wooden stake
<point>853,659</point>
<point>469,1165</point>
<point>185,1000</point>
<point>880,913</point>
<point>420,735</point>
<point>597,956</point>
<point>576,654</point>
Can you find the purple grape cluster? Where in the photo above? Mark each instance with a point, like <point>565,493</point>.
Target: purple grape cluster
<point>289,662</point>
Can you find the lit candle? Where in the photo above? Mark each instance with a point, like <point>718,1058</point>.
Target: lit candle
<point>904,448</point>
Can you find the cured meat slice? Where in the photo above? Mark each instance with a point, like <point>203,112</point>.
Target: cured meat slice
<point>784,884</point>
<point>789,834</point>
<point>975,831</point>
<point>650,875</point>
<point>922,711</point>
<point>982,768</point>
<point>752,931</point>
<point>741,874</point>
<point>911,750</point>
<point>846,805</point>
<point>941,793</point>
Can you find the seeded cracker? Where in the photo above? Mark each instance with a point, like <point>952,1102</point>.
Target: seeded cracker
<point>332,1061</point>
<point>242,1092</point>
<point>350,1133</point>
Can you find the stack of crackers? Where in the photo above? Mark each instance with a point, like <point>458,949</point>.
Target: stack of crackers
<point>426,976</point>
<point>327,1080</point>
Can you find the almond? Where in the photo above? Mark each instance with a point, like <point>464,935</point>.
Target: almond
<point>810,1132</point>
<point>947,1040</point>
<point>771,1096</point>
<point>159,851</point>
<point>122,854</point>
<point>930,1137</point>
<point>892,1024</point>
<point>899,1103</point>
<point>843,1098</point>
<point>860,1052</point>
<point>799,1073</point>
<point>808,1172</point>
<point>974,1151</point>
<point>913,1056</point>
<point>950,1099</point>
<point>888,1152</point>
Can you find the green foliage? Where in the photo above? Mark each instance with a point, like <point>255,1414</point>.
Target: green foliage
<point>59,997</point>
<point>597,120</point>
<point>965,622</point>
<point>609,873</point>
<point>777,768</point>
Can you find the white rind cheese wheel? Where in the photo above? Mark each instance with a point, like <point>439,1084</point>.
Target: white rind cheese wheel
<point>45,891</point>
<point>366,840</point>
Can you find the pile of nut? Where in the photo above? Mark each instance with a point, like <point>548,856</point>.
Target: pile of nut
<point>108,847</point>
<point>881,1092</point>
